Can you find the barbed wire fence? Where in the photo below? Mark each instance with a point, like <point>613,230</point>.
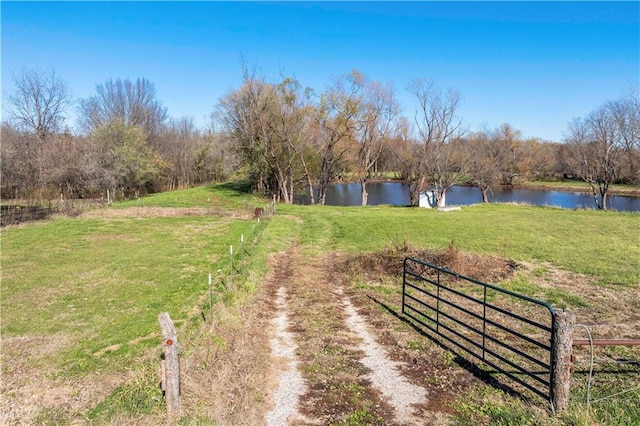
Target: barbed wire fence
<point>225,279</point>
<point>598,371</point>
<point>169,369</point>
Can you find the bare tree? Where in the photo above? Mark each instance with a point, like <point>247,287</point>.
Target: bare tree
<point>438,125</point>
<point>484,163</point>
<point>335,118</point>
<point>378,110</point>
<point>268,125</point>
<point>626,114</point>
<point>38,106</point>
<point>283,121</point>
<point>595,151</point>
<point>18,171</point>
<point>214,159</point>
<point>502,153</point>
<point>40,101</point>
<point>177,145</point>
<point>292,124</point>
<point>539,159</point>
<point>508,142</point>
<point>408,159</point>
<point>68,170</point>
<point>132,103</point>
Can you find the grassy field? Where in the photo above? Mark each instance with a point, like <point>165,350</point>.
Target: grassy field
<point>601,244</point>
<point>81,296</point>
<point>87,291</point>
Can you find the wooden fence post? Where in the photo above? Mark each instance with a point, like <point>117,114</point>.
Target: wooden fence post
<point>563,324</point>
<point>171,367</point>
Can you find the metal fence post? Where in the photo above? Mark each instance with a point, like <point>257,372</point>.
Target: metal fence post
<point>241,251</point>
<point>231,269</point>
<point>561,347</point>
<point>210,301</point>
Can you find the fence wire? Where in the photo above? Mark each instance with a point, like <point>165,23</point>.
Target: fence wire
<point>632,372</point>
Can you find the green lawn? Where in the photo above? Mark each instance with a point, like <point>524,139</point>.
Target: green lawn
<point>103,282</point>
<point>605,245</point>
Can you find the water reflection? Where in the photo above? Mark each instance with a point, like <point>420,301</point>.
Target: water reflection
<point>397,194</point>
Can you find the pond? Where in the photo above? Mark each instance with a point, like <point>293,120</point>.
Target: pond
<point>397,194</point>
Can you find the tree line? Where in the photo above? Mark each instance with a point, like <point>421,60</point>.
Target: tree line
<point>126,143</point>
<point>286,139</point>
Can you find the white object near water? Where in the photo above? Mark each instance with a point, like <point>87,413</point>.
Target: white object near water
<point>427,199</point>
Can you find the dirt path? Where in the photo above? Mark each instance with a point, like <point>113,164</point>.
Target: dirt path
<point>328,359</point>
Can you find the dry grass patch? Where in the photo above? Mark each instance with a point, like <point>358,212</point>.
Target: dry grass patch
<point>34,393</point>
<point>224,378</point>
<point>605,305</point>
<point>389,262</point>
<point>226,364</point>
<point>146,212</point>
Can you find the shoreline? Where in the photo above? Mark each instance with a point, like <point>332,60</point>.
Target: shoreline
<point>630,192</point>
<point>542,186</point>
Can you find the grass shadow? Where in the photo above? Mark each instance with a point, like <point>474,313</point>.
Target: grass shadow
<point>487,377</point>
<point>237,188</point>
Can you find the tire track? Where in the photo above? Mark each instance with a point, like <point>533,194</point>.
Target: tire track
<point>291,385</point>
<point>385,373</point>
<point>319,333</point>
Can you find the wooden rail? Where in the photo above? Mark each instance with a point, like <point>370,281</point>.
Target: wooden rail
<point>607,342</point>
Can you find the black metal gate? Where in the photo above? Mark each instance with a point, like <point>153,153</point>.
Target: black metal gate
<point>509,332</point>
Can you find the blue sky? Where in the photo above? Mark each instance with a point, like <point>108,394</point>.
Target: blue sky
<point>535,65</point>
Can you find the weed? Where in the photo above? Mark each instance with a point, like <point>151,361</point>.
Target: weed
<point>57,416</point>
<point>448,358</point>
<point>540,271</point>
<point>219,342</point>
<point>521,284</point>
<point>361,417</point>
<point>563,298</point>
<point>415,345</point>
<point>495,408</point>
<point>196,420</point>
<point>140,395</point>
